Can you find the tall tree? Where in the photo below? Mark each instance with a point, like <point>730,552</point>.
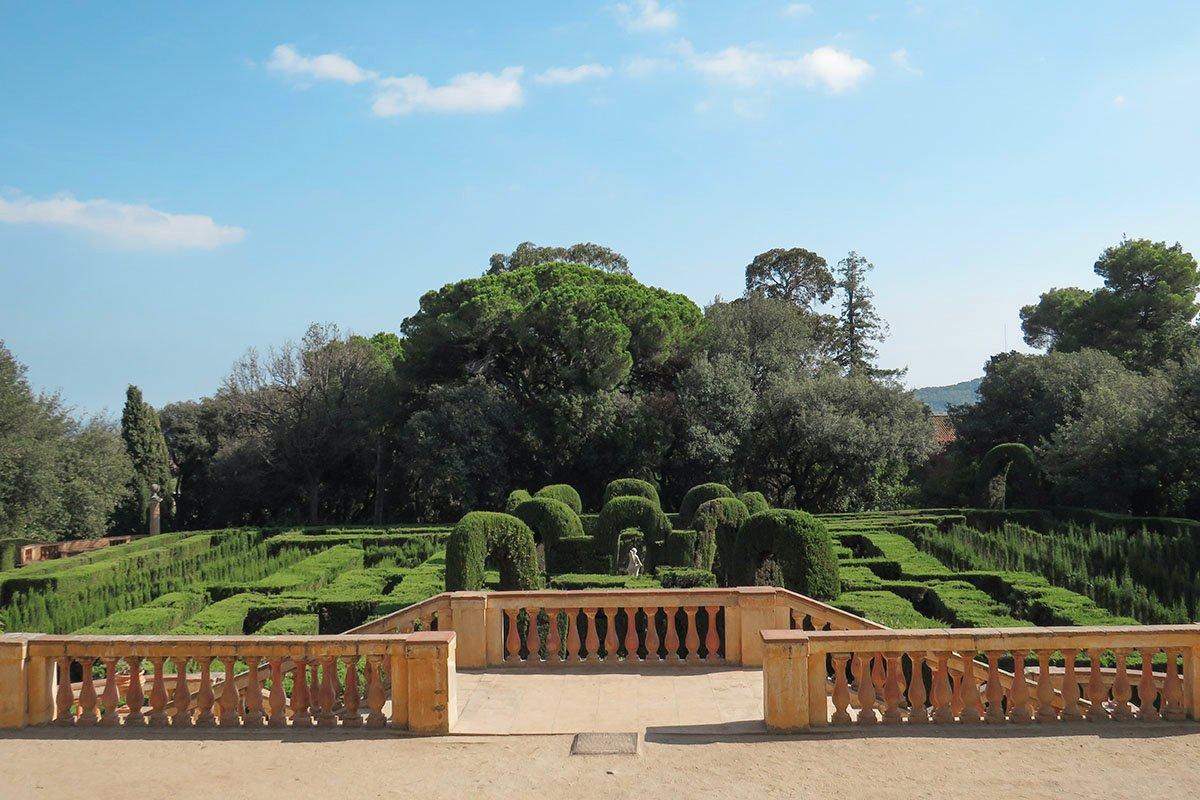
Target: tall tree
<point>528,254</point>
<point>147,450</point>
<point>859,326</point>
<point>794,274</point>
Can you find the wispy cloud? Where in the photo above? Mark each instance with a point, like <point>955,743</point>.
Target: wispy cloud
<point>835,70</point>
<point>325,67</point>
<point>643,66</point>
<point>470,92</point>
<point>646,15</point>
<point>901,59</point>
<point>561,75</point>
<point>797,10</point>
<point>1119,100</point>
<point>123,225</point>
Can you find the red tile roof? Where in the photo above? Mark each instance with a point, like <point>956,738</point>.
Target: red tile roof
<point>943,429</point>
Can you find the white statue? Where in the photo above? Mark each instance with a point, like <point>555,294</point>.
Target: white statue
<point>634,567</point>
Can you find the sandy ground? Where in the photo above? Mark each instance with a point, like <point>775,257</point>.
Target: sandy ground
<point>1110,761</point>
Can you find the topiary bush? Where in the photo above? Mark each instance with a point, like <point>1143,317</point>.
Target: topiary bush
<point>683,549</point>
<point>755,501</point>
<point>630,537</point>
<point>631,512</point>
<point>553,521</point>
<point>792,546</point>
<point>576,554</point>
<point>685,578</point>
<point>564,494</point>
<point>697,496</point>
<point>502,537</point>
<point>515,498</point>
<point>720,519</point>
<point>631,487</point>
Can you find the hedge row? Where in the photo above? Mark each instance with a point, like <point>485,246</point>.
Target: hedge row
<point>483,535</point>
<point>156,617</point>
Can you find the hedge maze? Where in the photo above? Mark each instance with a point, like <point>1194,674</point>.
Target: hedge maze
<point>911,568</point>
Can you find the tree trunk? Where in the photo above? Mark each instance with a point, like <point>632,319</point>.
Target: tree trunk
<point>314,501</point>
<point>379,481</point>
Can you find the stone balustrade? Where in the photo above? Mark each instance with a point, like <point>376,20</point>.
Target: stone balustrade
<point>908,677</point>
<point>403,681</point>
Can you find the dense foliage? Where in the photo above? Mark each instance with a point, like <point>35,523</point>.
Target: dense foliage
<point>483,536</point>
<point>630,487</point>
<point>551,521</point>
<point>621,513</point>
<point>797,543</point>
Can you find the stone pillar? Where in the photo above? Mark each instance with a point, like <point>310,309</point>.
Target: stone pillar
<point>1191,681</point>
<point>468,620</point>
<point>493,635</point>
<point>760,612</point>
<point>785,682</point>
<point>432,682</point>
<point>14,664</point>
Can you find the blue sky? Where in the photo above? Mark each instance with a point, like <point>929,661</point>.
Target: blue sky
<point>178,183</point>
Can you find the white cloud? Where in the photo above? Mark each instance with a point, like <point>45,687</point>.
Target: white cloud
<point>1119,100</point>
<point>835,70</point>
<point>559,75</point>
<point>900,59</point>
<point>641,66</point>
<point>465,93</point>
<point>797,10</point>
<point>325,67</point>
<point>646,15</point>
<point>123,225</point>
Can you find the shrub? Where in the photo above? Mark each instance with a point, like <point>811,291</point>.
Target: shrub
<point>720,519</point>
<point>797,542</point>
<point>575,554</point>
<point>755,501</point>
<point>631,512</point>
<point>631,487</point>
<point>483,534</point>
<point>586,581</point>
<point>564,494</point>
<point>685,577</point>
<point>694,549</point>
<point>515,498</point>
<point>697,496</point>
<point>291,625</point>
<point>630,537</point>
<point>552,521</point>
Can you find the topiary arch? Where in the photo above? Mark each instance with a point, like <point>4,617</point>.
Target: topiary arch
<point>481,535</point>
<point>698,495</point>
<point>792,546</point>
<point>718,520</point>
<point>564,493</point>
<point>1009,469</point>
<point>632,512</point>
<point>551,521</point>
<point>630,487</point>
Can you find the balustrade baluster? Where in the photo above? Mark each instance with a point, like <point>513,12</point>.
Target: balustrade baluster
<point>512,642</point>
<point>316,708</point>
<point>672,642</point>
<point>329,692</point>
<point>135,697</point>
<point>1122,690</point>
<point>64,698</point>
<point>350,700</point>
<point>957,690</point>
<point>573,644</point>
<point>995,690</point>
<point>631,636</point>
<point>158,694</point>
<point>1172,694</point>
<point>941,695</point>
<point>692,640</point>
<point>1018,693</point>
<point>610,635</point>
<point>254,699</point>
<point>917,712</point>
<point>1070,689</point>
<point>972,705</point>
<point>205,696</point>
<point>652,634</point>
<point>893,689</point>
<point>228,705</point>
<point>533,641</point>
<point>877,674</point>
<point>111,697</point>
<point>277,699</point>
<point>89,714</point>
<point>553,638</point>
<point>712,640</point>
<point>841,690</point>
<point>866,689</point>
<point>592,636</point>
<point>300,716</point>
<point>375,718</point>
<point>1097,692</point>
<point>1147,690</point>
<point>1045,689</point>
<point>181,699</point>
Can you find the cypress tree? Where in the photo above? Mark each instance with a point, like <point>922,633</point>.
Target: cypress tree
<point>147,449</point>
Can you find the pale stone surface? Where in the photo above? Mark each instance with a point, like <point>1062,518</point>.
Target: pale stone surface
<point>605,744</point>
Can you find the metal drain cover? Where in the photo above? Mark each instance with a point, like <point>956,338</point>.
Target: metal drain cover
<point>605,744</point>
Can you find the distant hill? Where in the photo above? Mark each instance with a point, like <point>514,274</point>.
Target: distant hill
<point>939,397</point>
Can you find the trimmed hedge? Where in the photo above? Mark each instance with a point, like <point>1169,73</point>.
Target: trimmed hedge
<point>685,578</point>
<point>514,499</point>
<point>551,520</point>
<point>632,512</point>
<point>699,495</point>
<point>291,625</point>
<point>885,608</point>
<point>799,544</point>
<point>755,501</point>
<point>720,518</point>
<point>417,584</point>
<point>576,554</point>
<point>564,494</point>
<point>585,581</point>
<point>480,535</point>
<point>156,617</point>
<point>631,487</point>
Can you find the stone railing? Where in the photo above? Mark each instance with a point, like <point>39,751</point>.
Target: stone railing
<point>873,676</point>
<point>289,682</point>
<point>32,553</point>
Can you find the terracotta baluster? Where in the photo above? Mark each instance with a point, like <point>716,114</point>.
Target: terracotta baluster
<point>592,636</point>
<point>1147,689</point>
<point>943,710</point>
<point>893,689</point>
<point>316,709</point>
<point>672,642</point>
<point>573,643</point>
<point>995,690</point>
<point>533,640</point>
<point>277,698</point>
<point>512,643</point>
<point>135,697</point>
<point>841,690</point>
<point>254,699</point>
<point>205,696</point>
<point>631,636</point>
<point>610,635</point>
<point>917,712</point>
<point>181,699</point>
<point>1070,690</point>
<point>64,698</point>
<point>329,691</point>
<point>972,705</point>
<point>158,694</point>
<point>300,716</point>
<point>111,698</point>
<point>1172,694</point>
<point>1018,693</point>
<point>957,690</point>
<point>877,674</point>
<point>866,689</point>
<point>692,639</point>
<point>553,639</point>
<point>375,717</point>
<point>712,640</point>
<point>89,714</point>
<point>350,700</point>
<point>1122,690</point>
<point>1097,692</point>
<point>1045,689</point>
<point>228,705</point>
<point>652,642</point>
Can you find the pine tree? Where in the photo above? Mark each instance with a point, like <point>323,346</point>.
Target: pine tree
<point>147,449</point>
<point>859,326</point>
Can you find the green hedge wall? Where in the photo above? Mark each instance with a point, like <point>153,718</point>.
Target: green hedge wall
<point>632,512</point>
<point>697,496</point>
<point>551,520</point>
<point>514,499</point>
<point>488,534</point>
<point>798,542</point>
<point>685,578</point>
<point>721,518</point>
<point>564,494</point>
<point>755,501</point>
<point>631,487</point>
